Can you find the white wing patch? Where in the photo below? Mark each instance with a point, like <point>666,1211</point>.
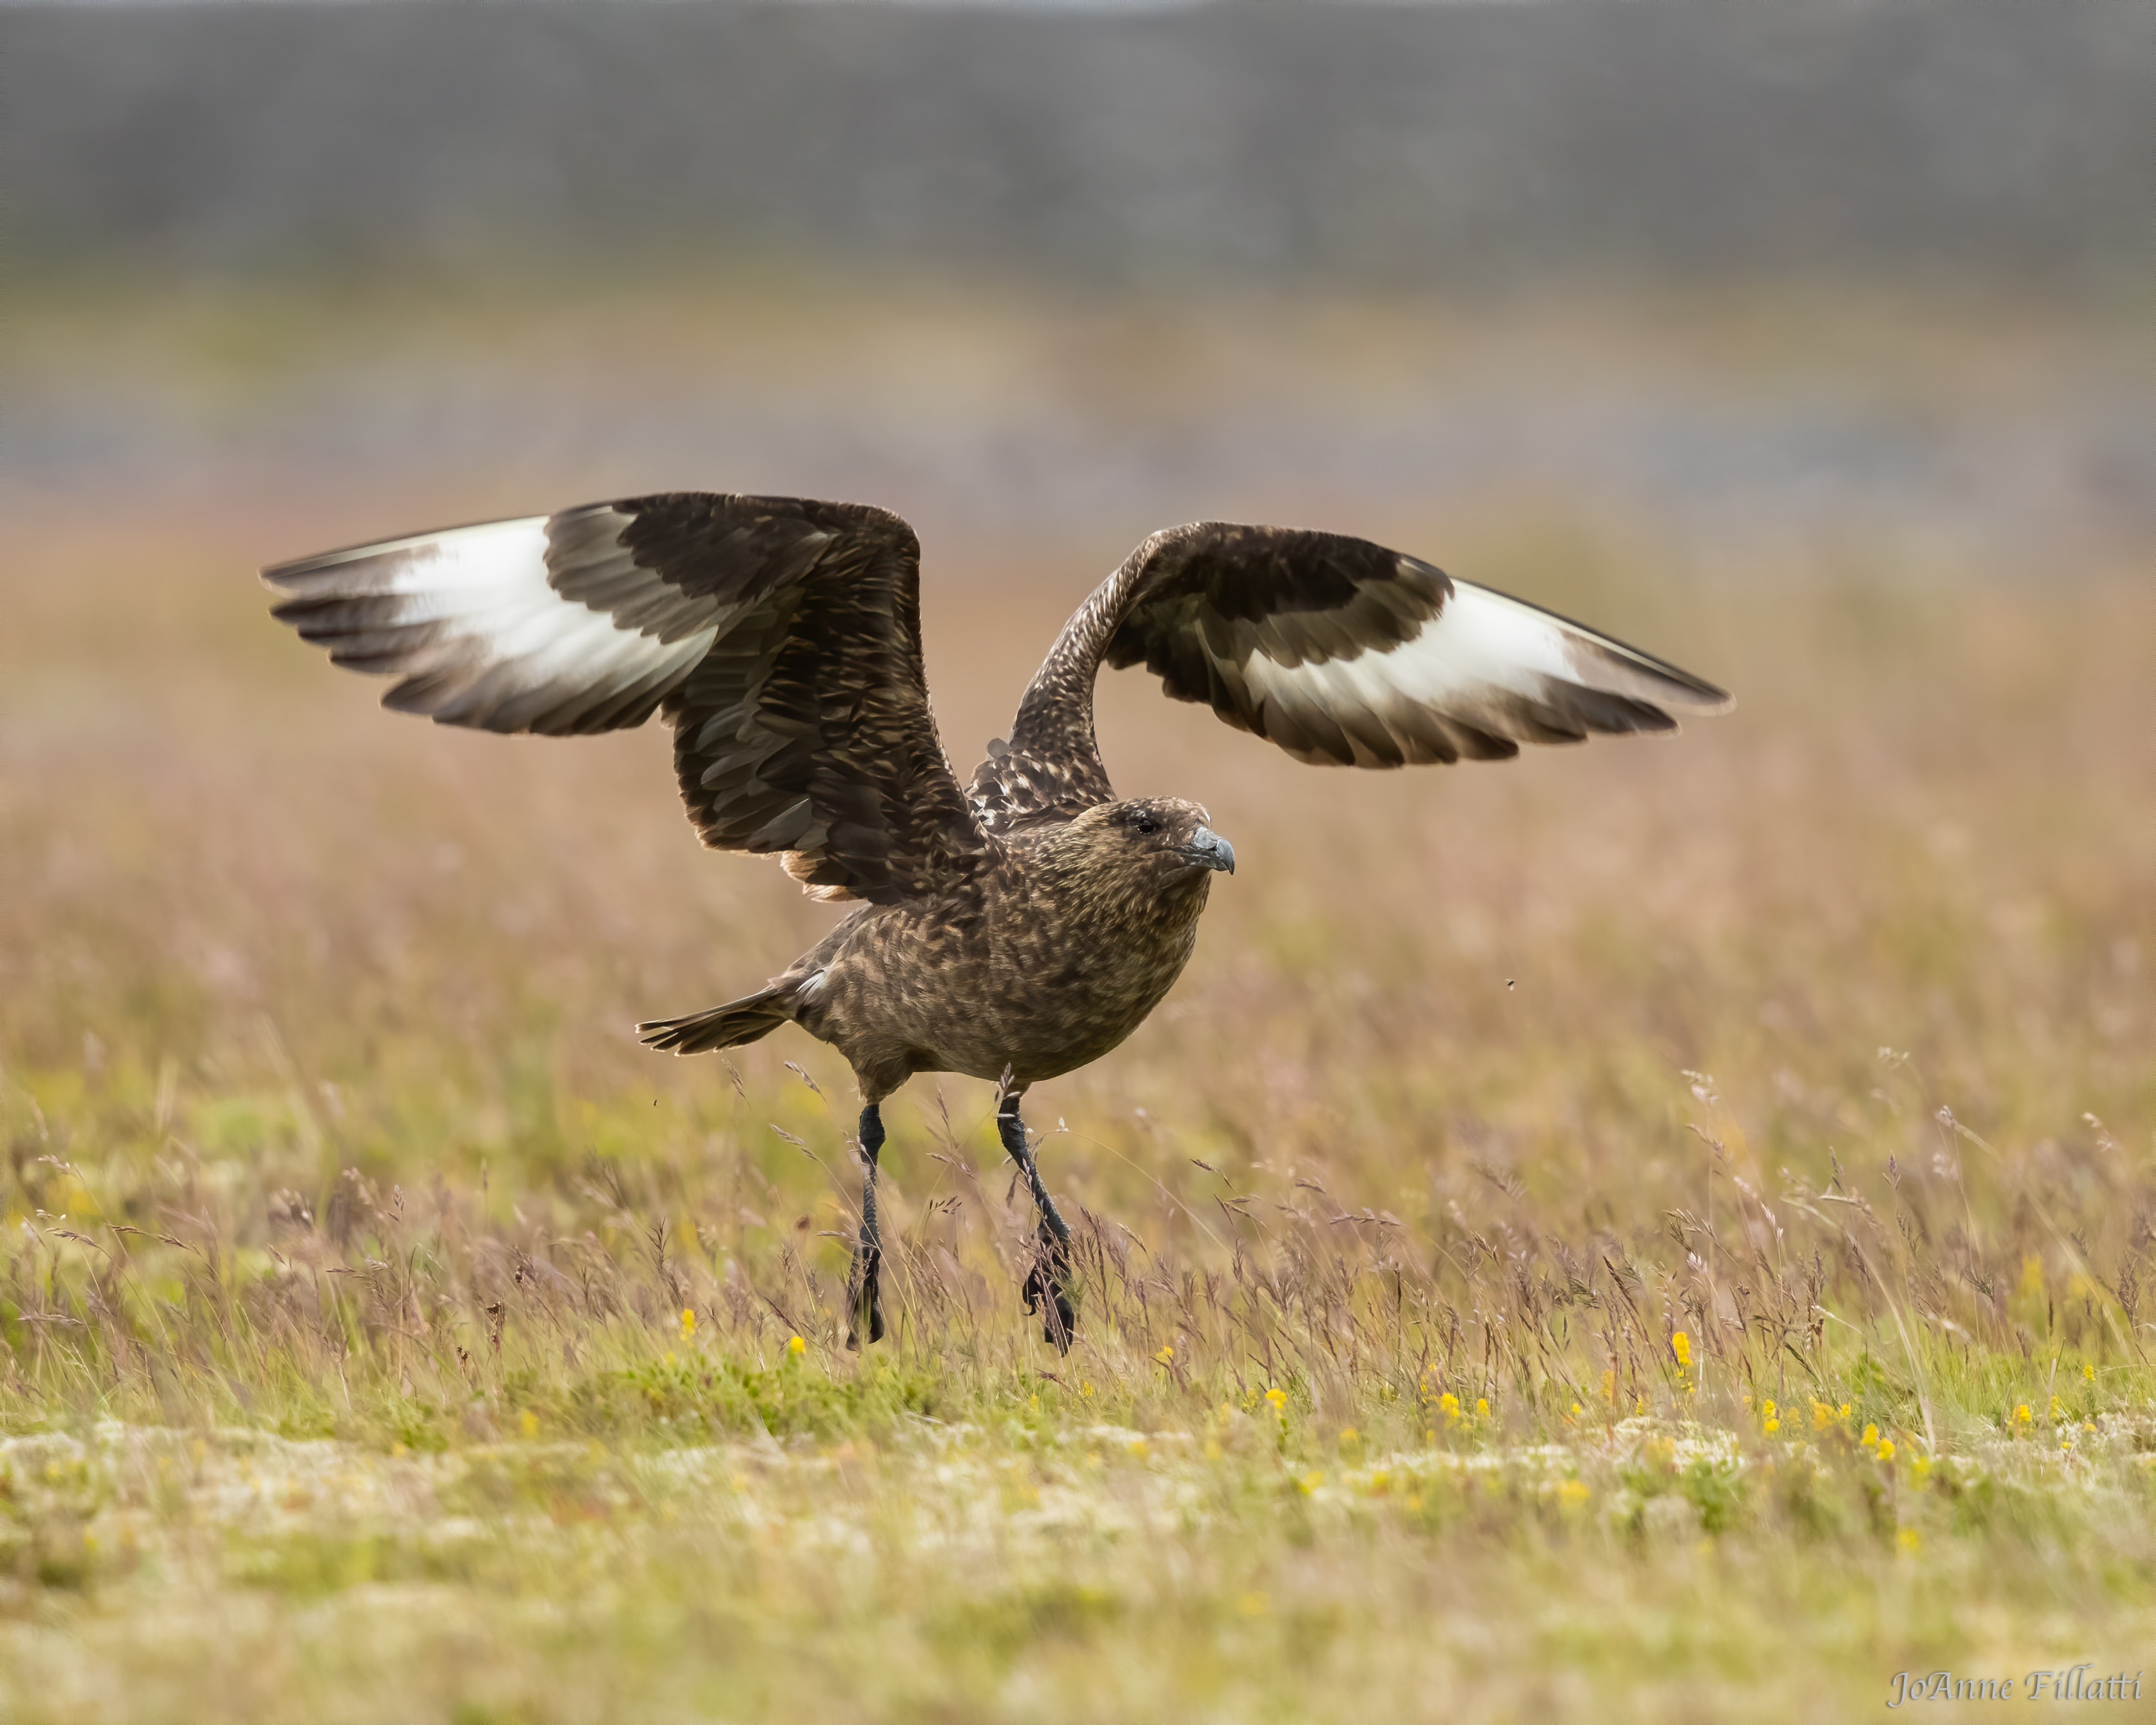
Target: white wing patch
<point>470,622</point>
<point>1485,674</point>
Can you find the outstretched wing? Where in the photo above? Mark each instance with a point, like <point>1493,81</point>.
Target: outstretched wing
<point>781,636</point>
<point>1340,651</point>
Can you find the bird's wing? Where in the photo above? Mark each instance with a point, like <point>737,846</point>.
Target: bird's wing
<point>1340,651</point>
<point>781,636</point>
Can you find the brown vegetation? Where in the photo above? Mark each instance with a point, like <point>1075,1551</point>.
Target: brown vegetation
<point>1818,1037</point>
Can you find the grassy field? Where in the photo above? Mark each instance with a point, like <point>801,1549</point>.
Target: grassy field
<point>1657,1231</point>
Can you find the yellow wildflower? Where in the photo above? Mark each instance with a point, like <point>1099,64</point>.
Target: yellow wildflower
<point>2089,1372</point>
<point>1887,1449</point>
<point>1165,1355</point>
<point>2022,1416</point>
<point>1276,1399</point>
<point>796,1347</point>
<point>1910,1541</point>
<point>1681,1346</point>
<point>688,1324</point>
<point>1348,1435</point>
<point>2055,1406</point>
<point>1481,1408</point>
<point>1870,1437</point>
<point>1310,1481</point>
<point>528,1423</point>
<point>1572,1493</point>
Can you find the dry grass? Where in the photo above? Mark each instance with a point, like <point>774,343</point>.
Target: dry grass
<point>383,1334</point>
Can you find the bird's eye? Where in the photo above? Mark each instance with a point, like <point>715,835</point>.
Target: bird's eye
<point>1146,824</point>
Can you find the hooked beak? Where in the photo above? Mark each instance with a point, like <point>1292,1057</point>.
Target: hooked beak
<point>1207,849</point>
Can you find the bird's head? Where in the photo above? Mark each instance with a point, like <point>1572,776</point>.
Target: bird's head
<point>1148,843</point>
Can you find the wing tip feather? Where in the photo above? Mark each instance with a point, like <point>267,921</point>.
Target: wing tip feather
<point>1674,685</point>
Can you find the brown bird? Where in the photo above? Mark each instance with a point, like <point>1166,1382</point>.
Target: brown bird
<point>1018,928</point>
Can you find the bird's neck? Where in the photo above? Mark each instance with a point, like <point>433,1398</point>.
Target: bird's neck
<point>1113,906</point>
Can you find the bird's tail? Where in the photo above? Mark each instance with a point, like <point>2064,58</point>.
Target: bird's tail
<point>752,1017</point>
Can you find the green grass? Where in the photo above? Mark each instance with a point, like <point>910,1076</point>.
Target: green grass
<point>1042,1559</point>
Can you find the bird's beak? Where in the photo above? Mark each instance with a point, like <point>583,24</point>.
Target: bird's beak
<point>1207,849</point>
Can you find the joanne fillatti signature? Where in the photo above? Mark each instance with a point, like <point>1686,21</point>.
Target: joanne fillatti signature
<point>2074,1683</point>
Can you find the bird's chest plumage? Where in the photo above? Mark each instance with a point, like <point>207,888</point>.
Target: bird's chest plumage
<point>1072,980</point>
<point>1019,976</point>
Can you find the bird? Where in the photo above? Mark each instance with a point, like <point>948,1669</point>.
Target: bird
<point>1017,926</point>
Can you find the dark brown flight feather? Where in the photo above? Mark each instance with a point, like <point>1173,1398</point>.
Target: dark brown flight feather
<point>781,637</point>
<point>1340,651</point>
<point>1027,926</point>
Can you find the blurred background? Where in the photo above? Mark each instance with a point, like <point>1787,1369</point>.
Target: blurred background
<point>1807,343</point>
<point>1808,268</point>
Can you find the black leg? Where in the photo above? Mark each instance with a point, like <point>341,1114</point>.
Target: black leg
<point>1047,1283</point>
<point>866,1308</point>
